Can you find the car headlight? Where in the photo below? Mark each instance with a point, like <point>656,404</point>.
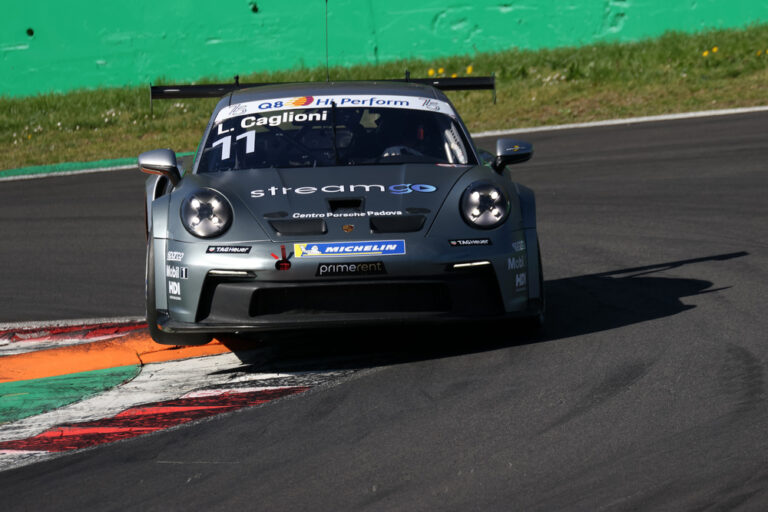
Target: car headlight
<point>484,205</point>
<point>206,213</point>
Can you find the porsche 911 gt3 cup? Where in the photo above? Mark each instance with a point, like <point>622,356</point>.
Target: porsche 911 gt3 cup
<point>322,204</point>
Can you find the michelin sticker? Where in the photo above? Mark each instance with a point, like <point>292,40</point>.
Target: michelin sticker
<point>174,256</point>
<point>341,101</point>
<point>518,246</point>
<point>375,248</point>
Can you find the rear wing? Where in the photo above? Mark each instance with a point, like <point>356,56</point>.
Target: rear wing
<point>172,92</point>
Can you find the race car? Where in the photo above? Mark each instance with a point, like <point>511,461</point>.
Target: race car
<point>336,204</point>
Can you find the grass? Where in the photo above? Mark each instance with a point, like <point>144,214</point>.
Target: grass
<point>673,73</point>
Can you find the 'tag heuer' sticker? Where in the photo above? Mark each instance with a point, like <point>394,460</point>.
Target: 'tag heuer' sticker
<point>371,248</point>
<point>466,242</point>
<point>229,249</point>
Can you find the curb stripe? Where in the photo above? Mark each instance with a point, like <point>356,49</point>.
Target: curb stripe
<point>135,348</point>
<point>155,383</point>
<point>87,331</point>
<point>22,399</point>
<point>143,420</point>
<point>150,402</point>
<point>175,385</point>
<point>19,341</point>
<point>51,324</point>
<point>226,391</point>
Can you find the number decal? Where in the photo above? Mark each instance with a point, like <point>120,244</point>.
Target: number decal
<point>226,145</point>
<point>250,141</point>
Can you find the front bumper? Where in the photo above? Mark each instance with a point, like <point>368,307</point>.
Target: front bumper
<point>424,286</point>
<point>247,304</point>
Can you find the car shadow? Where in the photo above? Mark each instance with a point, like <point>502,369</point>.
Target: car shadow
<point>575,306</point>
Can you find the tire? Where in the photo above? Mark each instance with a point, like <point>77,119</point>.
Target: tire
<point>164,338</point>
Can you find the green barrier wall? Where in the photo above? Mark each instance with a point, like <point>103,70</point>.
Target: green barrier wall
<point>59,46</point>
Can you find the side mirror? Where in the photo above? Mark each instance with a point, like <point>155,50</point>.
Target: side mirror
<point>511,151</point>
<point>162,162</point>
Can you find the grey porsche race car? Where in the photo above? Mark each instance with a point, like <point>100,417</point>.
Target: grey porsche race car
<point>327,204</point>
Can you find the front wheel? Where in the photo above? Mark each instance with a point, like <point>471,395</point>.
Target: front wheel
<point>164,338</point>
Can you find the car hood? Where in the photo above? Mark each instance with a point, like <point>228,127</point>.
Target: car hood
<point>302,202</point>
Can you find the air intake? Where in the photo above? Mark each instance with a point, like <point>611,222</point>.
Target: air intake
<point>299,227</point>
<point>345,205</point>
<point>398,224</point>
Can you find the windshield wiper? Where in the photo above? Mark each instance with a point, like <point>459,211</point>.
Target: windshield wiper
<point>333,124</point>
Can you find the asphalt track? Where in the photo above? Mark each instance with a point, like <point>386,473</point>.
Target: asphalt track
<point>645,391</point>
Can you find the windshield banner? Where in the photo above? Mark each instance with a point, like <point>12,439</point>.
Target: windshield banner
<point>341,101</point>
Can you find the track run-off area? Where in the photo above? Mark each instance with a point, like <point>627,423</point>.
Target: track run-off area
<point>74,386</point>
<point>646,389</point>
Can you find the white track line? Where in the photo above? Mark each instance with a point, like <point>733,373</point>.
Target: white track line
<point>628,120</point>
<point>67,173</point>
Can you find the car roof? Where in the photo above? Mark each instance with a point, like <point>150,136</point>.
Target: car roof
<point>336,88</point>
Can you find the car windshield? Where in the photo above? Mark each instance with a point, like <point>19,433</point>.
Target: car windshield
<point>332,135</point>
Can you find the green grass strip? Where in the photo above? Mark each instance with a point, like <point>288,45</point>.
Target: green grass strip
<point>68,167</point>
<point>25,398</point>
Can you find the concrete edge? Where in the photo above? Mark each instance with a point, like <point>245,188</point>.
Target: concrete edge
<point>71,168</point>
<point>47,324</point>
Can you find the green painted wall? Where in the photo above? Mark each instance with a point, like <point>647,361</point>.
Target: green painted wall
<point>60,46</point>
